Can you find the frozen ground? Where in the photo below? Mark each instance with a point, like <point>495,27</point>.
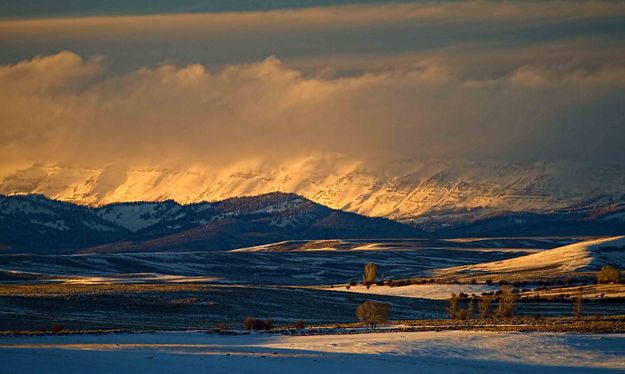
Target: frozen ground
<point>193,306</point>
<point>262,268</point>
<point>420,291</point>
<point>187,306</point>
<point>423,352</point>
<point>200,290</point>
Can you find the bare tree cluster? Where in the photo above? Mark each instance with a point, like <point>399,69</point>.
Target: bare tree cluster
<point>506,305</point>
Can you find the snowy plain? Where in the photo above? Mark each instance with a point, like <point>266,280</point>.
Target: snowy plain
<point>397,352</point>
<point>420,291</point>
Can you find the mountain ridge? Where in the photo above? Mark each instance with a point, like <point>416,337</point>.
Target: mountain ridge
<point>431,195</point>
<point>35,223</point>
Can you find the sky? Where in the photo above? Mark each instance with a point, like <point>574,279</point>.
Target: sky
<point>192,82</point>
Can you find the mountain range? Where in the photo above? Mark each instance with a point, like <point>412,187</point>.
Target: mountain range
<point>451,197</point>
<point>37,224</point>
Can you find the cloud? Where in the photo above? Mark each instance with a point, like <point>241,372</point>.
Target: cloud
<point>64,109</point>
<point>48,73</point>
<point>168,25</point>
<point>341,39</point>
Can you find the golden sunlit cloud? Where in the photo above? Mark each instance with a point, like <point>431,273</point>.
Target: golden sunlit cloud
<point>62,108</point>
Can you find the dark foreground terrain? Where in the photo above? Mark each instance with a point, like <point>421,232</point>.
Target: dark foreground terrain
<point>193,290</point>
<point>186,306</point>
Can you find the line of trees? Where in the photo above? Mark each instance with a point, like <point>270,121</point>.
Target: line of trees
<point>506,300</point>
<point>459,307</point>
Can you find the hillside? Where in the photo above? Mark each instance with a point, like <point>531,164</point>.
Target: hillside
<point>588,255</point>
<point>34,223</point>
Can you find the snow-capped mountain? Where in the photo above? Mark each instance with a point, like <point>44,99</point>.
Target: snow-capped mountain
<point>34,223</point>
<point>432,195</point>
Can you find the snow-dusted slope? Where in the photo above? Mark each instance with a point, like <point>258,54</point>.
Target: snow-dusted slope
<point>138,216</point>
<point>428,192</point>
<point>583,256</point>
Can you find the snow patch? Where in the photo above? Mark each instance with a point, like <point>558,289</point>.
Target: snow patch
<point>419,291</point>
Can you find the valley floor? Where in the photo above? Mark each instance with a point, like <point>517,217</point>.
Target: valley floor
<point>425,352</point>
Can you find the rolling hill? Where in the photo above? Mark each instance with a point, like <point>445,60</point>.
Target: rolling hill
<point>588,255</point>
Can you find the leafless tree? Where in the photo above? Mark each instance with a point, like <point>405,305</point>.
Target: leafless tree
<point>453,306</point>
<point>370,273</point>
<point>506,303</point>
<point>373,313</point>
<point>483,306</point>
<point>578,311</point>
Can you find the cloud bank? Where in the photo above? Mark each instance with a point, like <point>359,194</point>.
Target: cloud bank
<point>508,81</point>
<point>63,108</point>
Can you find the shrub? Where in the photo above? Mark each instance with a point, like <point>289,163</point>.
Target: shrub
<point>461,314</point>
<point>299,324</point>
<point>608,274</point>
<point>506,303</point>
<point>57,328</point>
<point>373,313</point>
<point>257,324</point>
<point>352,283</point>
<point>370,273</point>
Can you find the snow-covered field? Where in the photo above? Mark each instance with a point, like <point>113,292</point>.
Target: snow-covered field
<point>398,352</point>
<point>421,291</point>
<point>282,268</point>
